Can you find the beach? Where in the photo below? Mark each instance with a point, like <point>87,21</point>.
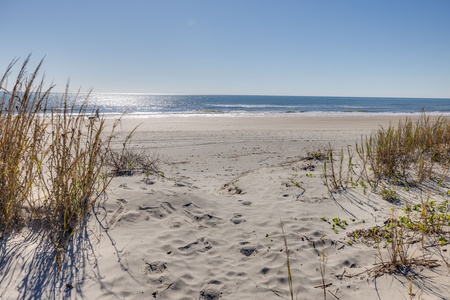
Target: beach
<point>210,224</point>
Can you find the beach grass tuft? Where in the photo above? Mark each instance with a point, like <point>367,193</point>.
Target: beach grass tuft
<point>338,173</point>
<point>408,152</point>
<point>22,140</point>
<point>53,160</point>
<point>131,160</point>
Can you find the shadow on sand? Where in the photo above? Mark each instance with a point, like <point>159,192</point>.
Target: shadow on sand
<point>28,268</point>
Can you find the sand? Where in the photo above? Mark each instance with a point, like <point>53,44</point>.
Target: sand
<point>210,228</point>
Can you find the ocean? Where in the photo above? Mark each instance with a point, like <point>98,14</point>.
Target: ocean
<point>152,105</point>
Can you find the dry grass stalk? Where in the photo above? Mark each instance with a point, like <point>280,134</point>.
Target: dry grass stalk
<point>338,175</point>
<point>128,161</point>
<point>323,264</point>
<point>288,263</point>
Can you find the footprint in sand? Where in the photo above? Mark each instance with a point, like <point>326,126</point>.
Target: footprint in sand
<point>246,203</point>
<point>201,245</point>
<point>211,291</point>
<point>155,267</point>
<point>204,220</point>
<point>117,213</point>
<point>247,251</point>
<point>232,189</point>
<point>159,212</point>
<point>237,219</point>
<point>124,186</point>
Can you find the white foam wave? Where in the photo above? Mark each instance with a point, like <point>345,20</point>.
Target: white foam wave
<point>137,115</point>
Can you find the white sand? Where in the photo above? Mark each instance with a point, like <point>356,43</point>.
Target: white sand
<point>210,229</point>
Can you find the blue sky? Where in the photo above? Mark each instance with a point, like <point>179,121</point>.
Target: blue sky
<point>393,48</point>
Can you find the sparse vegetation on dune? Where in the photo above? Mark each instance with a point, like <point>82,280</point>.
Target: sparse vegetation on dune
<point>411,155</point>
<point>400,164</point>
<point>411,152</point>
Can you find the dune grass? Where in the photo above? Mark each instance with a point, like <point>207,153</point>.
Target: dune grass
<point>338,175</point>
<point>410,151</point>
<point>22,140</point>
<point>53,160</point>
<point>74,175</point>
<point>411,157</point>
<point>130,160</point>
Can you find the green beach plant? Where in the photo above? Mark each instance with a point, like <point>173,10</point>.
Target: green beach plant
<point>389,194</point>
<point>397,240</point>
<point>295,183</point>
<point>408,154</point>
<point>317,154</point>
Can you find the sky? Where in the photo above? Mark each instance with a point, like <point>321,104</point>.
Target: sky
<point>382,48</point>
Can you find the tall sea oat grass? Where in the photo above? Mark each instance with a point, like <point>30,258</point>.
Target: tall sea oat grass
<point>74,174</point>
<point>53,161</point>
<point>22,135</point>
<point>410,151</point>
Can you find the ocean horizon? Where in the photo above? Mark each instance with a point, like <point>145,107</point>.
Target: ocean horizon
<point>140,105</point>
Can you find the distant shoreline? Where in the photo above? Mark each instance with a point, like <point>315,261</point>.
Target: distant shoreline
<point>214,123</point>
<point>147,105</point>
<point>137,115</point>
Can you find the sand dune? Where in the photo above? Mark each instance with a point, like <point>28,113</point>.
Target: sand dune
<point>210,228</point>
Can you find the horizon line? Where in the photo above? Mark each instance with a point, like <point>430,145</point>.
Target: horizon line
<point>257,95</point>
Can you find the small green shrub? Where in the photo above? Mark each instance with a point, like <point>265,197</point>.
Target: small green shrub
<point>319,155</point>
<point>389,194</point>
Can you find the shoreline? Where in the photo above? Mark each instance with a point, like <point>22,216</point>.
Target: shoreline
<point>267,122</point>
<point>137,115</point>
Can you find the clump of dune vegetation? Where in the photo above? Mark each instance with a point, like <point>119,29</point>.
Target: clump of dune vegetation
<point>53,160</point>
<point>410,153</point>
<point>406,164</point>
<point>400,163</point>
<point>131,160</point>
